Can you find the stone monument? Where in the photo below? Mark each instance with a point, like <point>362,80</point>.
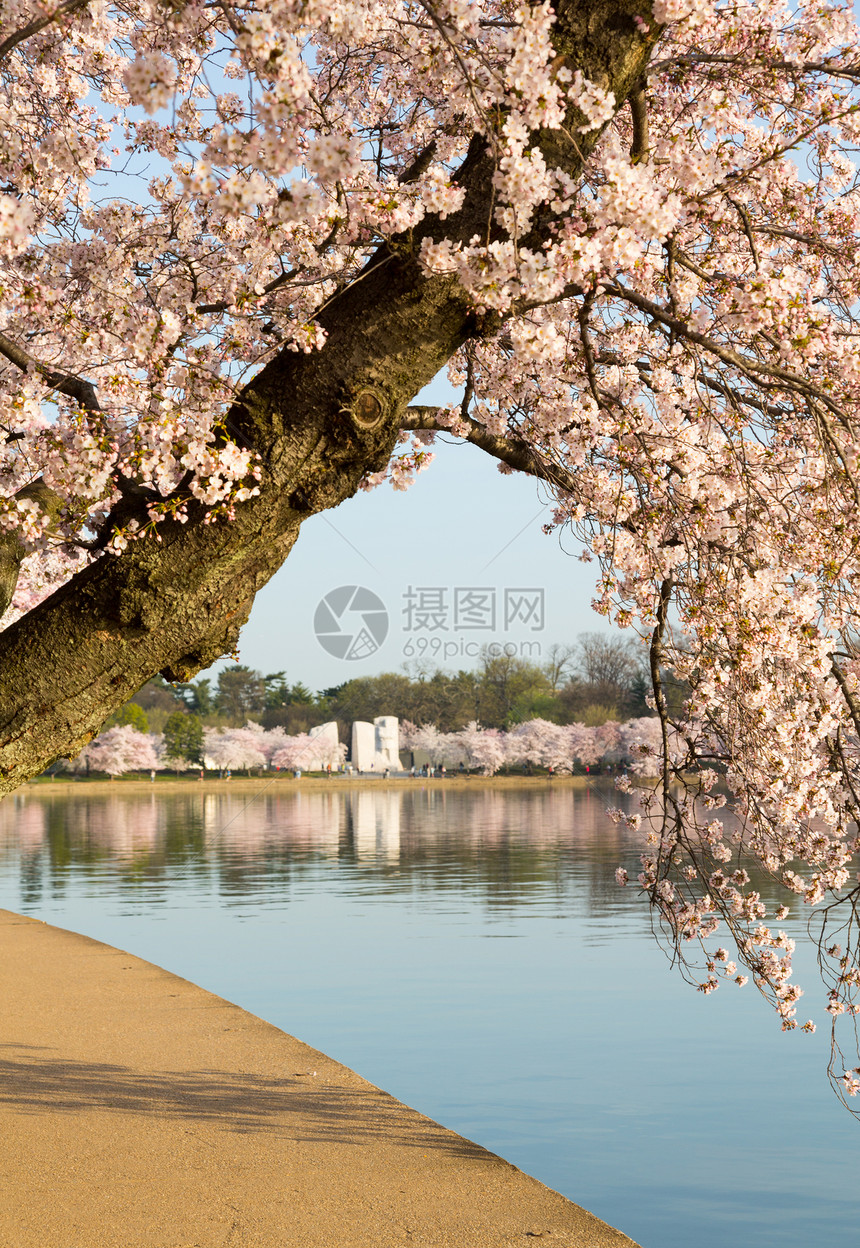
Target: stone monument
<point>388,742</point>
<point>375,746</point>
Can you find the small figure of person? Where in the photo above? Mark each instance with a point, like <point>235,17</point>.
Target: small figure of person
<point>328,771</point>
<point>152,777</point>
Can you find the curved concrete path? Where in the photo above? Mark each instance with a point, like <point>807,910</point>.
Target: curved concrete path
<point>139,1111</point>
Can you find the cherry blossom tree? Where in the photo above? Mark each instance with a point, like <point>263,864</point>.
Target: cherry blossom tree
<point>303,750</point>
<point>485,748</point>
<point>629,230</point>
<point>583,744</point>
<point>267,741</point>
<point>442,747</point>
<point>233,748</point>
<point>641,741</point>
<point>450,749</point>
<point>427,738</point>
<point>331,202</point>
<point>294,751</point>
<point>119,750</point>
<point>540,742</point>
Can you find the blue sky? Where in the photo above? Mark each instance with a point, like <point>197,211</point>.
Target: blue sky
<point>458,561</point>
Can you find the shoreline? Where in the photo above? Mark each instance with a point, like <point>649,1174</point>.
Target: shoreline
<point>286,783</point>
<point>141,1111</point>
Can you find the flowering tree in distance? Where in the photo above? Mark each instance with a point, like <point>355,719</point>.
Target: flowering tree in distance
<point>629,229</point>
<point>233,748</point>
<point>119,750</point>
<point>545,744</point>
<point>305,751</point>
<point>484,748</point>
<point>294,752</point>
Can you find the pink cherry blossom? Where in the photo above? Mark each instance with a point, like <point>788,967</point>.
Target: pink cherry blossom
<point>660,323</point>
<point>233,748</point>
<point>118,750</point>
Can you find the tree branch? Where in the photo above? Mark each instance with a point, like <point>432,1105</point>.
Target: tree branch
<point>849,72</point>
<point>175,599</point>
<point>12,549</point>
<point>283,278</point>
<point>516,454</point>
<point>639,115</point>
<point>39,23</point>
<point>777,376</point>
<point>83,392</point>
<point>419,165</point>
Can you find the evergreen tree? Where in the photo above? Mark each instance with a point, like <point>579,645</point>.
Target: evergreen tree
<point>183,737</point>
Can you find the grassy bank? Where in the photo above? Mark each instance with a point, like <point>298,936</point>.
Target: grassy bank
<point>283,781</point>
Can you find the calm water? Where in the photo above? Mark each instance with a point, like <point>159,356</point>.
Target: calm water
<point>471,953</point>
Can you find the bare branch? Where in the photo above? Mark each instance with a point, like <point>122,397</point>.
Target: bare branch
<point>516,454</point>
<point>808,240</point>
<point>587,348</point>
<point>744,216</point>
<point>655,663</point>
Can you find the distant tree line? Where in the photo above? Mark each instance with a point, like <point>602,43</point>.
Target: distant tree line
<point>599,678</point>
<point>560,749</point>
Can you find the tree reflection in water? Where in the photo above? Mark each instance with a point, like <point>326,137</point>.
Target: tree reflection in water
<point>502,841</point>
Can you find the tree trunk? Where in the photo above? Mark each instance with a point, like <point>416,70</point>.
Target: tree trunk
<point>175,601</point>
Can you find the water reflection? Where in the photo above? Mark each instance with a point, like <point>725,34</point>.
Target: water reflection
<point>508,845</point>
<point>505,844</point>
<point>470,951</point>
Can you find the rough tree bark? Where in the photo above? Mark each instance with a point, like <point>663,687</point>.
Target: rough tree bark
<point>175,601</point>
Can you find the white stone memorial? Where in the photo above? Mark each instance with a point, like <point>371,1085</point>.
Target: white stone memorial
<point>388,742</point>
<point>363,745</point>
<point>375,747</point>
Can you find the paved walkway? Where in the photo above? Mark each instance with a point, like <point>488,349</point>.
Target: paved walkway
<point>139,1111</point>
